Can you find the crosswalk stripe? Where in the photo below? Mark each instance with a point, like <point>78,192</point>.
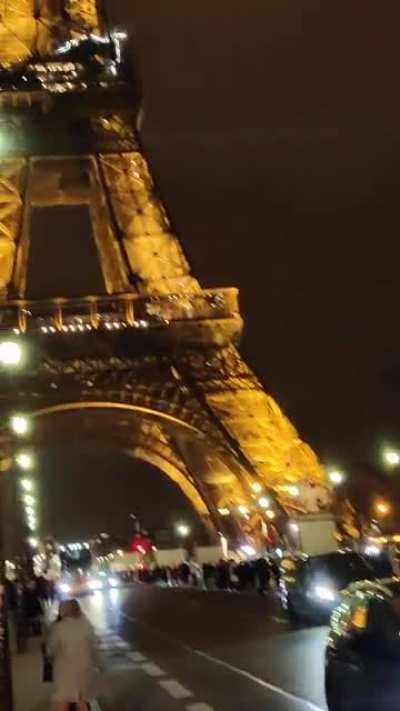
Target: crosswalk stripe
<point>199,707</point>
<point>153,670</point>
<point>137,657</point>
<point>175,689</point>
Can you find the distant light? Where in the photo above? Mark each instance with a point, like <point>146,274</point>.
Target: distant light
<point>29,500</point>
<point>391,457</point>
<point>223,512</point>
<point>24,460</point>
<point>248,550</point>
<point>32,524</point>
<point>33,542</point>
<point>264,502</point>
<point>382,507</point>
<point>372,550</point>
<point>293,491</point>
<point>294,527</point>
<point>324,593</point>
<point>336,477</point>
<point>113,582</point>
<point>243,510</point>
<point>65,588</point>
<point>11,353</point>
<point>27,484</point>
<point>120,552</point>
<point>279,552</point>
<point>271,514</point>
<point>30,511</point>
<point>19,424</point>
<point>182,530</point>
<point>256,486</point>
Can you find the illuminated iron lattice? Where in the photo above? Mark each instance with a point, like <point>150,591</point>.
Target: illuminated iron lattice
<point>206,418</point>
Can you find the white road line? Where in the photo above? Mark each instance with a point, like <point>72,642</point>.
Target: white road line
<point>265,684</point>
<point>95,706</point>
<point>175,689</point>
<point>137,657</point>
<point>199,707</point>
<point>153,670</point>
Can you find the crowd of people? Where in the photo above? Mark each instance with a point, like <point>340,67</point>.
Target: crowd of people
<point>27,600</point>
<point>260,575</point>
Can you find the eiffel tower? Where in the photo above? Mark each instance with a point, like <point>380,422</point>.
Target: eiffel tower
<point>95,281</point>
<point>95,285</point>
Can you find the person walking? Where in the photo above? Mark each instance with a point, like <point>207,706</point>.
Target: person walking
<point>71,647</point>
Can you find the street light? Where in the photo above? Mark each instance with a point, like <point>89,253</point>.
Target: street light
<point>30,511</point>
<point>11,354</point>
<point>223,511</point>
<point>336,477</point>
<point>183,530</point>
<point>293,491</point>
<point>24,460</point>
<point>391,457</point>
<point>19,424</point>
<point>29,500</point>
<point>243,510</point>
<point>256,486</point>
<point>27,485</point>
<point>382,508</point>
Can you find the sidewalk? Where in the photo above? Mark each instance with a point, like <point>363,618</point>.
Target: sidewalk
<point>30,694</point>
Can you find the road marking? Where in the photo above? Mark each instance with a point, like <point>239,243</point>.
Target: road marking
<point>153,670</point>
<point>199,707</point>
<point>95,706</point>
<point>265,684</point>
<point>175,689</point>
<point>137,657</point>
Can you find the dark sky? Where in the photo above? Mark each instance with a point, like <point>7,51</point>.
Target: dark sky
<point>89,487</point>
<point>273,131</point>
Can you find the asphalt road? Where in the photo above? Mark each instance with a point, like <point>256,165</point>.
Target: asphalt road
<point>189,650</point>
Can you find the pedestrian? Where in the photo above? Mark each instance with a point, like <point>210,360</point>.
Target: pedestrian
<point>71,647</point>
<point>32,610</point>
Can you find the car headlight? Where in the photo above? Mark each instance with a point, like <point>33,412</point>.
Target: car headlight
<point>94,584</point>
<point>324,593</point>
<point>65,588</point>
<point>112,582</point>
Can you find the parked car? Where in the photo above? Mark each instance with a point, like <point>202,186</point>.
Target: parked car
<point>363,651</point>
<point>310,586</point>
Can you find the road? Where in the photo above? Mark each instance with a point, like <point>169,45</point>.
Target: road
<point>173,650</point>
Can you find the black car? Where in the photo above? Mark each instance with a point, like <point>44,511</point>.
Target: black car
<point>363,652</point>
<point>310,586</point>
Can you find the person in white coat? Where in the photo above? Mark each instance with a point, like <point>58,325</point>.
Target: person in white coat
<point>71,646</point>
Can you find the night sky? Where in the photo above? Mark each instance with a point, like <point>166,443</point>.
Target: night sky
<point>273,130</point>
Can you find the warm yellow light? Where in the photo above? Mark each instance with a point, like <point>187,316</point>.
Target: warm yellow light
<point>33,542</point>
<point>336,477</point>
<point>382,508</point>
<point>391,457</point>
<point>293,491</point>
<point>256,486</point>
<point>223,512</point>
<point>264,502</point>
<point>29,500</point>
<point>27,485</point>
<point>243,510</point>
<point>10,353</point>
<point>19,424</point>
<point>270,514</point>
<point>182,530</point>
<point>24,460</point>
